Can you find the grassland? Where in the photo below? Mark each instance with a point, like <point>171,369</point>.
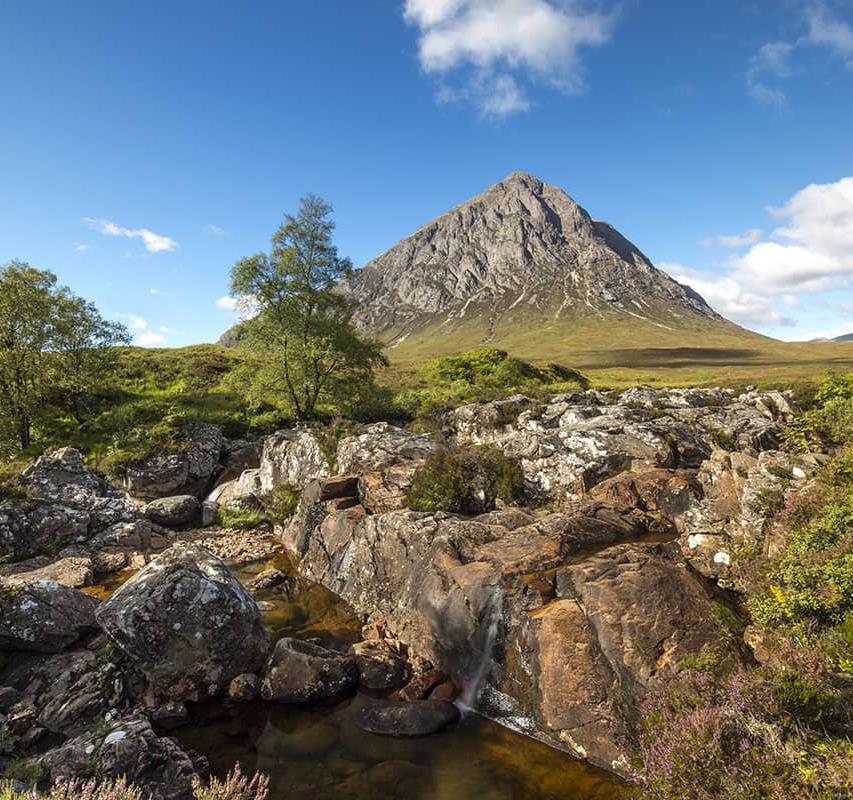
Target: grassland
<point>613,353</point>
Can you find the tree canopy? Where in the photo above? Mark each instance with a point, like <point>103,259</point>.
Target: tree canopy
<point>53,348</point>
<point>307,346</point>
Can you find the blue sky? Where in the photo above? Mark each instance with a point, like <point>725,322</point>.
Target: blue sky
<point>146,147</point>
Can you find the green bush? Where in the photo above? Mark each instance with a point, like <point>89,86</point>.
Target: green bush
<point>478,376</point>
<point>466,481</point>
<point>280,503</point>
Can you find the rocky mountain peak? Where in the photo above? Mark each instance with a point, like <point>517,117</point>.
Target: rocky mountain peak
<point>521,250</point>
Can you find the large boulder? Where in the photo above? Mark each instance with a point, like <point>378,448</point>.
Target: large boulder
<point>186,624</point>
<point>128,747</point>
<point>291,458</point>
<point>381,446</point>
<point>173,512</point>
<point>242,491</point>
<point>189,471</point>
<point>413,718</point>
<point>300,672</point>
<point>29,528</point>
<point>43,616</point>
<point>237,457</point>
<point>61,477</point>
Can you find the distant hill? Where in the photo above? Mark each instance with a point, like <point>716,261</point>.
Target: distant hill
<point>524,267</point>
<point>847,337</point>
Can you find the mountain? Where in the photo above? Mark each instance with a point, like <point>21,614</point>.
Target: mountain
<point>847,337</point>
<point>521,259</point>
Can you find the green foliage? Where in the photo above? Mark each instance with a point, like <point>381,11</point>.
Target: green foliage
<point>280,503</point>
<point>466,481</point>
<point>301,342</point>
<point>54,351</point>
<point>480,375</point>
<point>240,518</point>
<point>829,422</point>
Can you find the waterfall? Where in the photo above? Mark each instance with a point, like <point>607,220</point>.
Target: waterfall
<point>489,621</point>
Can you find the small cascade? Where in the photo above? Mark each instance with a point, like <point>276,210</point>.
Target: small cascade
<point>489,622</point>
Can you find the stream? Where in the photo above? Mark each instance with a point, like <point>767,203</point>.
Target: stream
<point>316,751</point>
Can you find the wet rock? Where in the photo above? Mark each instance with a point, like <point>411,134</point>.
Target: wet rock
<point>415,718</point>
<point>129,747</point>
<point>28,528</point>
<point>381,446</point>
<point>186,472</point>
<point>43,616</point>
<point>421,685</point>
<point>379,667</point>
<point>173,512</point>
<point>268,579</point>
<point>186,624</point>
<point>299,672</point>
<point>291,458</point>
<point>245,688</point>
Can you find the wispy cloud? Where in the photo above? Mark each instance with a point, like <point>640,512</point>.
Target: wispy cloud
<point>482,50</point>
<point>241,307</point>
<point>80,248</point>
<point>215,230</point>
<point>160,293</point>
<point>733,241</point>
<point>154,242</point>
<point>773,61</point>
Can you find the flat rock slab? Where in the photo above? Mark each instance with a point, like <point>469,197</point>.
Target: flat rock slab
<point>414,718</point>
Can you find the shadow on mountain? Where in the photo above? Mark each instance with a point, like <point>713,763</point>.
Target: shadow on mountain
<point>674,357</point>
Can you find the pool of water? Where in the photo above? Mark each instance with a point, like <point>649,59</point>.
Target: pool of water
<point>318,751</point>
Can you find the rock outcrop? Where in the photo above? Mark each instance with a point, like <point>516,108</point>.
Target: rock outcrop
<point>291,458</point>
<point>186,624</point>
<point>43,616</point>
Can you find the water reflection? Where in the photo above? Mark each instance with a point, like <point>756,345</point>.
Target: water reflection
<point>320,752</point>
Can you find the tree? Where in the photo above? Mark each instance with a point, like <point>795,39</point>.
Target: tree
<point>303,329</point>
<point>50,342</point>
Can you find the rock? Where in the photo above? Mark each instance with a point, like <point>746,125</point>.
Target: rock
<point>43,616</point>
<point>60,477</point>
<point>415,718</point>
<point>242,492</point>
<point>381,446</point>
<point>379,667</point>
<point>268,579</point>
<point>69,692</point>
<point>421,685</point>
<point>238,456</point>
<point>173,512</point>
<point>130,748</point>
<point>187,472</point>
<point>186,624</point>
<point>72,571</point>
<point>299,672</point>
<point>292,458</point>
<point>245,688</point>
<point>28,528</point>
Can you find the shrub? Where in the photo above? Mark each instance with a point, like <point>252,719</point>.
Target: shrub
<point>280,503</point>
<point>235,786</point>
<point>466,481</point>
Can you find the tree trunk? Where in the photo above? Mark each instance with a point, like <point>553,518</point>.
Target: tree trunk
<point>24,430</point>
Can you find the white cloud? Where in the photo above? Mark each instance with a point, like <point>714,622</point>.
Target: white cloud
<point>771,61</point>
<point>726,295</point>
<point>494,43</point>
<point>825,30</point>
<point>134,321</point>
<point>227,303</point>
<point>813,250</point>
<point>150,339</point>
<point>81,248</point>
<point>154,242</point>
<point>215,230</point>
<point>241,307</point>
<point>744,239</point>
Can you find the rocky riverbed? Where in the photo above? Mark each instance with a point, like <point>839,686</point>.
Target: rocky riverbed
<point>360,647</point>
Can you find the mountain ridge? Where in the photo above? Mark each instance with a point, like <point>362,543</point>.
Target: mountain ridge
<point>520,250</point>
